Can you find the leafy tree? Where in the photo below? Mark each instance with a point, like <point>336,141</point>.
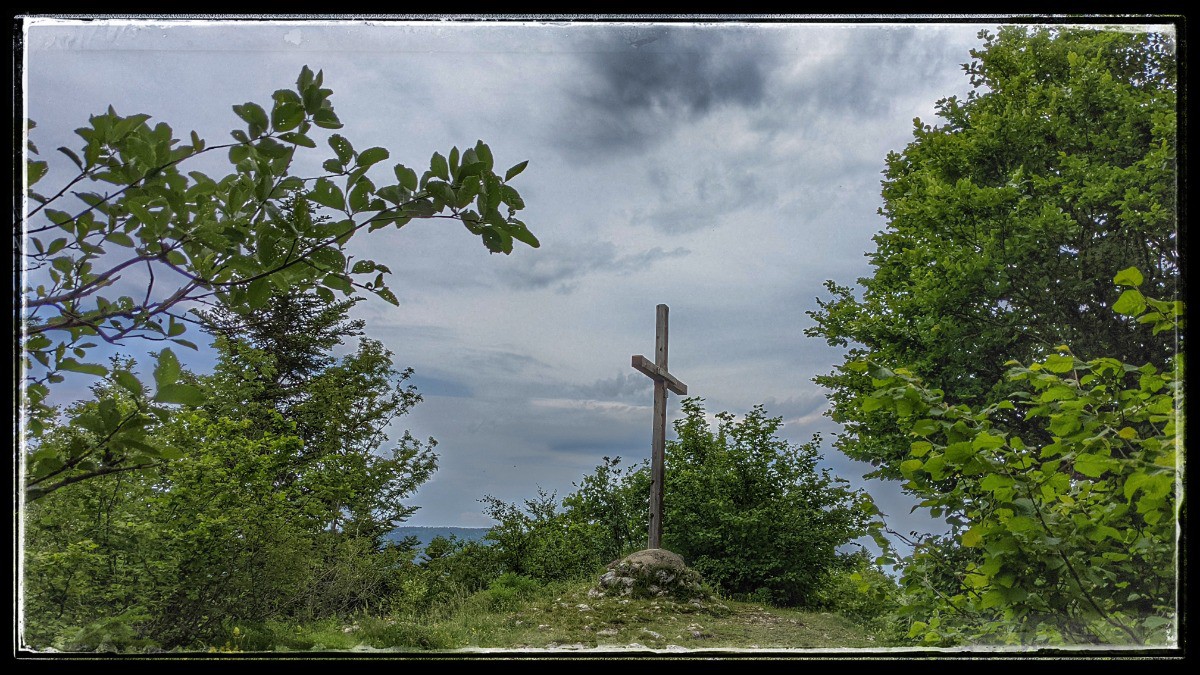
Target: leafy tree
<point>751,512</point>
<point>1075,536</point>
<point>222,533</point>
<point>602,520</point>
<point>275,367</point>
<point>1006,221</point>
<point>229,240</point>
<point>748,510</point>
<point>83,550</point>
<point>260,515</point>
<point>616,502</point>
<point>541,542</point>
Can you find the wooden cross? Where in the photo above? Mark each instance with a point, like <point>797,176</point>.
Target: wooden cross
<point>657,371</point>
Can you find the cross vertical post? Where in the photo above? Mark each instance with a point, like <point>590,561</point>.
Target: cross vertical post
<point>663,381</point>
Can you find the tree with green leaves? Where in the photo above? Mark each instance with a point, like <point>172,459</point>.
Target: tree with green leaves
<point>1008,224</point>
<point>752,512</point>
<point>227,241</point>
<point>276,368</point>
<point>1065,536</point>
<point>274,506</point>
<point>1007,221</point>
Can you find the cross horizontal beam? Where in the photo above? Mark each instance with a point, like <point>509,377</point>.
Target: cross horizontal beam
<point>648,367</point>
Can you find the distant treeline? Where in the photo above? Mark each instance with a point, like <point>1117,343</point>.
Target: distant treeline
<point>427,534</point>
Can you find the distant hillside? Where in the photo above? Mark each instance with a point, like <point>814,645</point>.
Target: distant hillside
<point>427,534</point>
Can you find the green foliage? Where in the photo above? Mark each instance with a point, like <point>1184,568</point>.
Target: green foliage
<point>450,568</point>
<point>507,591</point>
<point>1006,222</point>
<point>233,240</point>
<point>259,517</point>
<point>614,503</point>
<point>862,591</point>
<point>109,434</point>
<point>750,511</point>
<point>543,543</point>
<point>1066,536</point>
<point>277,365</point>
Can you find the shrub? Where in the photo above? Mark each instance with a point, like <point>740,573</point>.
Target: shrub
<point>753,513</point>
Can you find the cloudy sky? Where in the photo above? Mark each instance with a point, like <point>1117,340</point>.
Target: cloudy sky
<point>725,169</point>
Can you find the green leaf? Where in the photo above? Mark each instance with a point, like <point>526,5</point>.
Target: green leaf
<point>1131,303</point>
<point>959,452</point>
<point>985,441</point>
<point>34,171</point>
<point>909,466</point>
<point>185,394</point>
<point>872,403</point>
<point>358,196</point>
<point>1063,424</point>
<point>1059,392</point>
<point>1102,532</point>
<point>325,119</point>
<point>287,96</point>
<point>1135,481</point>
<point>1018,524</point>
<point>372,156</point>
<point>120,238</point>
<point>286,116</point>
<point>972,537</point>
<point>521,233</point>
<point>87,368</point>
<point>167,370</point>
<point>127,381</point>
<point>484,154</point>
<point>1060,363</point>
<point>300,139</point>
<point>441,190</point>
<point>257,293</point>
<point>342,147</point>
<point>387,295</point>
<point>339,282</point>
<point>993,482</point>
<point>254,116</point>
<point>71,154</point>
<point>326,193</point>
<point>437,164</point>
<point>1092,465</point>
<point>515,169</point>
<point>510,196</point>
<point>407,177</point>
<point>1130,276</point>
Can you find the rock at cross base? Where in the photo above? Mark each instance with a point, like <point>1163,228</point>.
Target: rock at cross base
<point>652,573</point>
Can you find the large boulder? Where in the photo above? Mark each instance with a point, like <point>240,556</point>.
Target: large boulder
<point>652,573</point>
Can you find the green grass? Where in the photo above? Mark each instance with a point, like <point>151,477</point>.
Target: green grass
<point>562,616</point>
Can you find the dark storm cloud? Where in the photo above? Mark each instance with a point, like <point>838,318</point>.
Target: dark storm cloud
<point>571,262</point>
<point>644,81</point>
<point>669,71</point>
